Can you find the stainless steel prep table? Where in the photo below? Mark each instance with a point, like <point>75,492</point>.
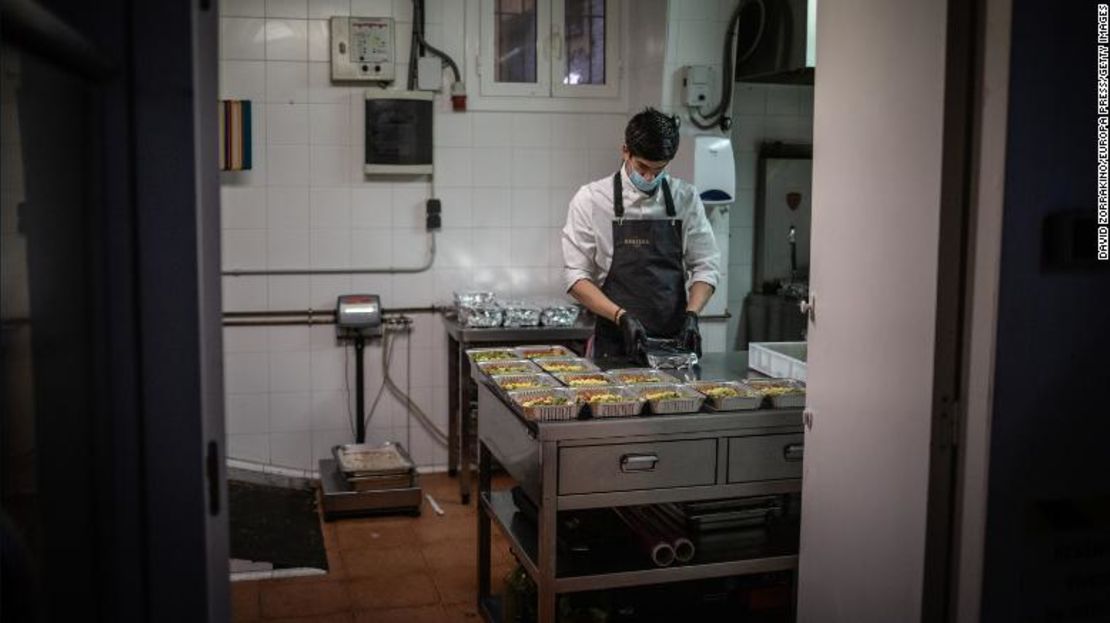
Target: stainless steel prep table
<point>460,338</point>
<point>576,465</point>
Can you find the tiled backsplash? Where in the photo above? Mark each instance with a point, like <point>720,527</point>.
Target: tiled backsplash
<point>505,180</point>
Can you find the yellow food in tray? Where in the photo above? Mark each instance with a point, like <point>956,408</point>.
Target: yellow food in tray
<point>542,353</point>
<point>559,366</point>
<point>721,391</point>
<point>512,368</point>
<point>492,355</point>
<point>776,389</point>
<point>637,379</point>
<point>587,381</point>
<point>512,385</point>
<point>668,394</point>
<point>779,390</point>
<point>543,401</point>
<point>601,397</point>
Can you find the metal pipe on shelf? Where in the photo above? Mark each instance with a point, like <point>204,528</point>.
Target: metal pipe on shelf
<point>653,543</point>
<point>683,547</point>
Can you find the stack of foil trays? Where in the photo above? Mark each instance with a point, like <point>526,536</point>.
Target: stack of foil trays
<point>479,309</point>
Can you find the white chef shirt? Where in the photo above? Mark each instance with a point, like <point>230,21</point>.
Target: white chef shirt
<point>588,233</point>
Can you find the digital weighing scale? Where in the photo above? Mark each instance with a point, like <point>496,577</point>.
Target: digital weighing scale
<point>360,478</point>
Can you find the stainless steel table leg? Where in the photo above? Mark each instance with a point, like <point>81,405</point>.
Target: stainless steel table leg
<point>464,428</point>
<point>483,526</point>
<point>453,406</point>
<point>545,586</point>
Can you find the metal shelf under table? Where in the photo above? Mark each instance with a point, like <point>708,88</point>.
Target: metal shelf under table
<point>532,452</point>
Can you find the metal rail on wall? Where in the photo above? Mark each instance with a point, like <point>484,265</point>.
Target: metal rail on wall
<point>272,318</point>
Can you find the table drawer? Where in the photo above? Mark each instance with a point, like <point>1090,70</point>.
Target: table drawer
<point>765,457</point>
<point>627,467</point>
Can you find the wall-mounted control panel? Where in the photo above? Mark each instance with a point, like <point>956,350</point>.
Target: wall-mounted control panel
<point>362,49</point>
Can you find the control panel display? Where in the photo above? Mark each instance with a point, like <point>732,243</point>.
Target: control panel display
<point>362,49</point>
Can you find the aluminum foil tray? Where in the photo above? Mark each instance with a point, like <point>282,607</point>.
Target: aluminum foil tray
<point>559,315</point>
<point>472,298</point>
<point>479,355</point>
<point>641,376</point>
<point>628,405</point>
<point>481,316</point>
<point>508,366</point>
<point>745,400</point>
<point>519,382</point>
<point>585,379</point>
<point>518,314</point>
<point>567,410</point>
<point>544,351</point>
<point>358,460</point>
<point>783,393</point>
<point>566,364</point>
<point>688,399</point>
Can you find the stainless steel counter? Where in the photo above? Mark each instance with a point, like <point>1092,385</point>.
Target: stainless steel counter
<point>576,465</point>
<point>459,398</point>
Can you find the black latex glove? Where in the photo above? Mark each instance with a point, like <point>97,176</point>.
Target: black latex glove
<point>689,337</point>
<point>632,332</point>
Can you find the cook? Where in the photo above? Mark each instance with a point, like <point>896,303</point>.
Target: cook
<point>638,250</point>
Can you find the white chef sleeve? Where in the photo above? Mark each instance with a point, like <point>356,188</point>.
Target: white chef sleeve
<point>579,241</point>
<point>702,257</point>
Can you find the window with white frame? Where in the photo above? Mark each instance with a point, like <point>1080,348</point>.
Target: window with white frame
<point>552,48</point>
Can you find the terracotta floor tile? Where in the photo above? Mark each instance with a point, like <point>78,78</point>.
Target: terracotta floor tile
<point>340,617</point>
<point>285,598</point>
<point>389,533</point>
<point>461,613</point>
<point>244,601</point>
<point>377,562</point>
<point>424,614</point>
<point>439,529</point>
<point>456,584</point>
<point>451,554</point>
<point>394,591</point>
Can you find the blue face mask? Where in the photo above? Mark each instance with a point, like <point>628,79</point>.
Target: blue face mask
<point>644,185</point>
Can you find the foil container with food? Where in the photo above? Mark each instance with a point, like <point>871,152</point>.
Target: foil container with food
<point>544,405</point>
<point>613,401</point>
<point>783,393</point>
<point>585,379</point>
<point>478,355</point>
<point>517,382</point>
<point>641,376</point>
<point>520,314</point>
<point>559,314</point>
<point>544,352</point>
<point>728,395</point>
<point>566,364</point>
<point>474,298</point>
<point>508,366</point>
<point>485,316</point>
<point>670,398</point>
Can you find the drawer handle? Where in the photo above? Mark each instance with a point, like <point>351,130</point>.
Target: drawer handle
<point>638,462</point>
<point>793,452</point>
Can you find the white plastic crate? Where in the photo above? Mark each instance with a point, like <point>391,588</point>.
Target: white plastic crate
<point>779,359</point>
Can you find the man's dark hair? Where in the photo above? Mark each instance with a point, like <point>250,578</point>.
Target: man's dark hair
<point>651,135</point>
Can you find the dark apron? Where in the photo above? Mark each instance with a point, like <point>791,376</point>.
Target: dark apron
<point>647,277</point>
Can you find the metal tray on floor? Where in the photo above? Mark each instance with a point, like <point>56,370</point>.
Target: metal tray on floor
<point>361,460</point>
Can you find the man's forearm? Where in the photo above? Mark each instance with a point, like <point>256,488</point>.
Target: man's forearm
<point>699,295</point>
<point>587,293</point>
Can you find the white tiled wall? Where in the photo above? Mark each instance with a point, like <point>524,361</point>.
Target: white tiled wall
<point>504,179</point>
